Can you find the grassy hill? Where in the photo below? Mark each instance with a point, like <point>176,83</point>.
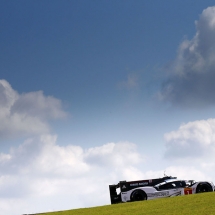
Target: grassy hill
<point>198,204</point>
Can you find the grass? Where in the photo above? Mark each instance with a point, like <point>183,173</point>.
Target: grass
<point>198,204</point>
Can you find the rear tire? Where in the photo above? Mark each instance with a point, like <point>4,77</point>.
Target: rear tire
<point>202,188</point>
<point>138,195</point>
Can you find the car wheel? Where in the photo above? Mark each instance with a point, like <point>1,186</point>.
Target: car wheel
<point>202,188</point>
<point>138,195</point>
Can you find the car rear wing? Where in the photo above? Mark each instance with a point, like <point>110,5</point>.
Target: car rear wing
<point>114,197</point>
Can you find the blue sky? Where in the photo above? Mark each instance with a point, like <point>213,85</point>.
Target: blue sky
<point>122,89</point>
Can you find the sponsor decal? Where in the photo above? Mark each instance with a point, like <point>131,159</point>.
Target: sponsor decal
<point>187,191</point>
<point>123,187</point>
<point>158,194</point>
<point>139,184</point>
<point>143,183</point>
<point>135,184</point>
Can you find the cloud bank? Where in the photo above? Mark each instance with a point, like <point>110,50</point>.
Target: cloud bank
<point>191,149</point>
<point>192,140</point>
<point>39,174</point>
<point>26,113</point>
<point>191,83</point>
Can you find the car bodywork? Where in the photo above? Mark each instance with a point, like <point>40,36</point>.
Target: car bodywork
<point>156,188</point>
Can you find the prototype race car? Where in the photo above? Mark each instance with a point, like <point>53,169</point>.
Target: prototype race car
<point>156,188</point>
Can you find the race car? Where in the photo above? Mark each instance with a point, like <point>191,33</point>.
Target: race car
<point>167,186</point>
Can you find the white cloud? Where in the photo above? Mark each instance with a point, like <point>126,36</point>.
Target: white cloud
<point>112,154</point>
<point>26,113</point>
<point>190,149</point>
<point>40,175</point>
<point>194,139</point>
<point>188,172</point>
<point>191,83</point>
<point>62,177</point>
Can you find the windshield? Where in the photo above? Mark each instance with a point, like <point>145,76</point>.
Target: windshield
<point>190,182</point>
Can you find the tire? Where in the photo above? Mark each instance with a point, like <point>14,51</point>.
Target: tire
<point>138,195</point>
<point>202,188</point>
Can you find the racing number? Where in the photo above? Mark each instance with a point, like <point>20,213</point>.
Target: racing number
<point>187,191</point>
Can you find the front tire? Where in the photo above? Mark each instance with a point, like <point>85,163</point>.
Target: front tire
<point>138,195</point>
<point>202,188</point>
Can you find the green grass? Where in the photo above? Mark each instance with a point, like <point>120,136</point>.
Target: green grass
<point>198,204</point>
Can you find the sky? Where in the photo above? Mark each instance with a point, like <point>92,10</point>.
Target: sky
<point>96,92</point>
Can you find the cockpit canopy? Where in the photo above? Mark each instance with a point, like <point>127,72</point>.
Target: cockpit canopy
<point>174,183</point>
